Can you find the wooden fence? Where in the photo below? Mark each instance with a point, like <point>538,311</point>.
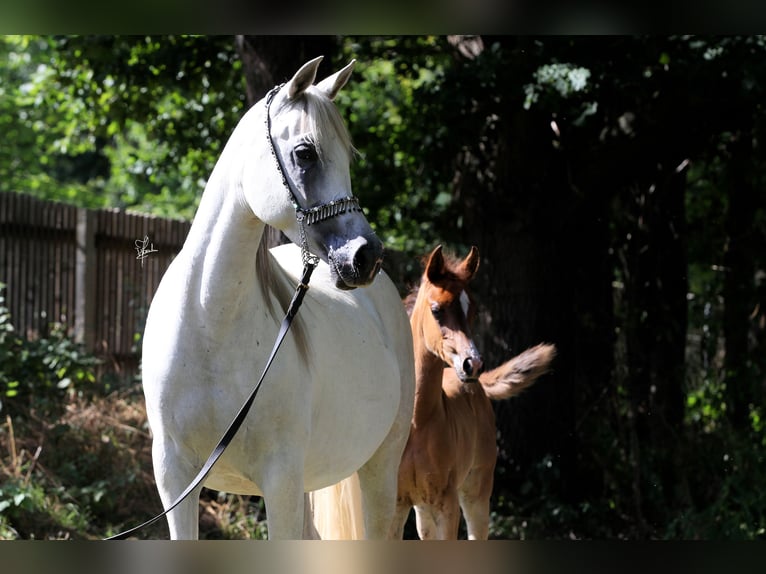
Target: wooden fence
<point>82,268</point>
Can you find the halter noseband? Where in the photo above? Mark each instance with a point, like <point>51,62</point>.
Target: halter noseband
<point>314,214</point>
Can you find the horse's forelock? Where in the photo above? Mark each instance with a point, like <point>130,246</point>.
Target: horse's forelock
<point>321,117</point>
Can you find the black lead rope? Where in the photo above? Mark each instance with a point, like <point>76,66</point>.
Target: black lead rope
<point>227,437</point>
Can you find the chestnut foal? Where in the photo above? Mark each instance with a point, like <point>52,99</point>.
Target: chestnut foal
<point>449,460</point>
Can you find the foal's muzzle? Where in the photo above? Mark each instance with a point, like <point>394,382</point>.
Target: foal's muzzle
<point>470,369</point>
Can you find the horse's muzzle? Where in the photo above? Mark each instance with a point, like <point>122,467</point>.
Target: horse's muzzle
<point>357,263</point>
<point>470,369</point>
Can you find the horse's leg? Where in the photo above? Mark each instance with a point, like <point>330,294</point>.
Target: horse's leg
<point>438,521</point>
<point>378,486</point>
<point>284,497</point>
<point>378,480</point>
<point>183,520</point>
<point>425,521</point>
<point>173,474</point>
<point>400,520</point>
<point>474,498</point>
<point>309,529</point>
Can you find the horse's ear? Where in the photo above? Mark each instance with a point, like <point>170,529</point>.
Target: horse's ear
<point>435,265</point>
<point>303,78</point>
<point>333,84</point>
<point>469,265</point>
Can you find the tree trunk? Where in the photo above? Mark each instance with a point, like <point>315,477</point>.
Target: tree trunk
<point>271,60</point>
<point>521,222</point>
<point>655,321</point>
<point>738,285</point>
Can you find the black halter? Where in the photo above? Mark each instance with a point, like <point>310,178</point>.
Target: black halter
<point>313,214</point>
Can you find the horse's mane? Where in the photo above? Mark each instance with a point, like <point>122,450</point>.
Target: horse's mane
<point>409,300</point>
<point>275,284</point>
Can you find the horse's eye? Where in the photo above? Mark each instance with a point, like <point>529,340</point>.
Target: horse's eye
<point>306,153</point>
<point>437,311</point>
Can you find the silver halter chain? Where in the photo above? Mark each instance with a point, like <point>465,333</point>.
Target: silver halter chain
<point>314,214</point>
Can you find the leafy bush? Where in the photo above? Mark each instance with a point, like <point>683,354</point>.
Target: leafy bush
<point>42,370</point>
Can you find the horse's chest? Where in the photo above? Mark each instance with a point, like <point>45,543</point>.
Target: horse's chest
<point>348,378</point>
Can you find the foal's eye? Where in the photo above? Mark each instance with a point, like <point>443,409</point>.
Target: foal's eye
<point>306,153</point>
<point>437,311</point>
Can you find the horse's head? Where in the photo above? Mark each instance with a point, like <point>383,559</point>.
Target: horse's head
<point>446,323</point>
<point>313,151</point>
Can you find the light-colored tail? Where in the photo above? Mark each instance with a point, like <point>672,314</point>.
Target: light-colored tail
<point>518,373</point>
<point>337,510</point>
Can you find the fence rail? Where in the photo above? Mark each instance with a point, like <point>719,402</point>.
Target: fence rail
<point>84,269</point>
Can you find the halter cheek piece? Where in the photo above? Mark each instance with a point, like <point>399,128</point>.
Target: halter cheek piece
<point>312,215</point>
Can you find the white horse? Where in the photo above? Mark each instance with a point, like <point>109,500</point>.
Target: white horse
<point>339,396</point>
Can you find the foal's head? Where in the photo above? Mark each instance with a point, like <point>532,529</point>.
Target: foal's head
<point>444,311</point>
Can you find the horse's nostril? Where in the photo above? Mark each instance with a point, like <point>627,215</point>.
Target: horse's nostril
<point>366,261</point>
<point>472,366</point>
<point>360,257</point>
<point>376,267</point>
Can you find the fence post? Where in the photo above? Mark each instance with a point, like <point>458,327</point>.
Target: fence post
<point>85,279</point>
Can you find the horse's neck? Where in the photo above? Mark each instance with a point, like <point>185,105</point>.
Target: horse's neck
<point>222,244</point>
<point>428,374</point>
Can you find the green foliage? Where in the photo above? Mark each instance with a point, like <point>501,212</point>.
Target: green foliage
<point>117,121</point>
<point>724,474</point>
<point>394,118</point>
<point>719,477</point>
<point>77,474</point>
<point>237,517</point>
<point>27,506</point>
<point>562,79</point>
<point>43,370</point>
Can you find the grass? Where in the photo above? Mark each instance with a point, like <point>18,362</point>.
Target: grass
<point>86,473</point>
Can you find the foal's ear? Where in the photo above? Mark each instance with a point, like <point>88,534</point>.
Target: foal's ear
<point>469,265</point>
<point>333,84</point>
<point>435,265</point>
<point>303,78</point>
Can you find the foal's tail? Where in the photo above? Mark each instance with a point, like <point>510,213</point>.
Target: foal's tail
<point>337,510</point>
<point>518,373</point>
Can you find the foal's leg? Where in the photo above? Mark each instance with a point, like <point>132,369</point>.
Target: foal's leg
<point>438,521</point>
<point>474,500</point>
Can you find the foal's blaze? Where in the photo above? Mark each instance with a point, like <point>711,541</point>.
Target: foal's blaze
<point>447,329</point>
